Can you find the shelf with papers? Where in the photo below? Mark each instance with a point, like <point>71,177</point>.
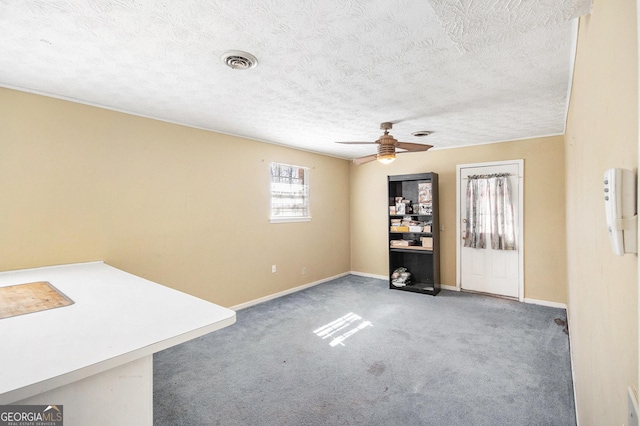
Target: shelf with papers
<point>414,256</point>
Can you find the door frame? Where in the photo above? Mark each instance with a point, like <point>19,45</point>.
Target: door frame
<point>520,237</point>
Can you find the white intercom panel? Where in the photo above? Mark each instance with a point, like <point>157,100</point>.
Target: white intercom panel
<point>620,208</point>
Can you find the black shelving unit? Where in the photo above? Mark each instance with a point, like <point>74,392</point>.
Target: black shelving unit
<point>419,196</point>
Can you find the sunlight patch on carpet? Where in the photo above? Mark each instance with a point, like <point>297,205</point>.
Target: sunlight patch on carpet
<point>341,329</point>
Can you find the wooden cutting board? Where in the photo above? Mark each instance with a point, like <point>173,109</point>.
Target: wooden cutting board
<point>27,298</point>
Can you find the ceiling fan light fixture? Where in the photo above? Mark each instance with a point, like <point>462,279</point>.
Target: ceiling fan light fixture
<point>386,148</point>
<point>386,158</point>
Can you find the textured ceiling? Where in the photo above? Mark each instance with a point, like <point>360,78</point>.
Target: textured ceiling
<point>471,71</point>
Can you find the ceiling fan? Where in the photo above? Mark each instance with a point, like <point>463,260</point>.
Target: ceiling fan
<point>387,145</point>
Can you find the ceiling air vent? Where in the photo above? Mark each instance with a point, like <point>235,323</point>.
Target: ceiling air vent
<point>238,60</point>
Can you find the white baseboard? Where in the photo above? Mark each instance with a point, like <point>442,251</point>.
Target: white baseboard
<point>284,293</point>
<point>573,371</point>
<point>384,277</point>
<point>545,303</point>
<point>364,274</point>
<point>525,300</point>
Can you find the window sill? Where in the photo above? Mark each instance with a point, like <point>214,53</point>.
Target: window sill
<point>290,219</point>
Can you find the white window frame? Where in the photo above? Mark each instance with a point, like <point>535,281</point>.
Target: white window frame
<point>276,217</point>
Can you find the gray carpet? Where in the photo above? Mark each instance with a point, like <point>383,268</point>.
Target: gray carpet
<point>400,359</point>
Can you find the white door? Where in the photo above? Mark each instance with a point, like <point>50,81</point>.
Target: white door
<point>487,270</point>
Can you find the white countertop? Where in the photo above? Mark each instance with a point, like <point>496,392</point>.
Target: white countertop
<point>116,318</point>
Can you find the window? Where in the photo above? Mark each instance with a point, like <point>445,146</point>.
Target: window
<point>289,193</point>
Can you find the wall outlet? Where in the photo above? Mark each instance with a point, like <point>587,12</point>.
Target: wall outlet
<point>273,269</point>
<point>441,228</point>
<point>304,270</point>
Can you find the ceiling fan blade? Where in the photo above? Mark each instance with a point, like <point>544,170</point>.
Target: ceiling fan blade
<point>366,159</point>
<point>413,147</point>
<point>358,143</point>
<point>407,152</point>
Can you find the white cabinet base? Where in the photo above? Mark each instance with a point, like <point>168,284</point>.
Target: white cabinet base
<point>120,396</point>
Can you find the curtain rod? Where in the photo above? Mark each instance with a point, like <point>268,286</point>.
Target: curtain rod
<point>488,176</point>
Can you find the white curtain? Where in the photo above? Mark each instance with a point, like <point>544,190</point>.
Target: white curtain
<point>490,213</point>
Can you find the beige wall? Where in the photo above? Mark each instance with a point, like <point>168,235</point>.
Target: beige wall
<point>544,210</point>
<point>601,133</point>
<point>184,207</point>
